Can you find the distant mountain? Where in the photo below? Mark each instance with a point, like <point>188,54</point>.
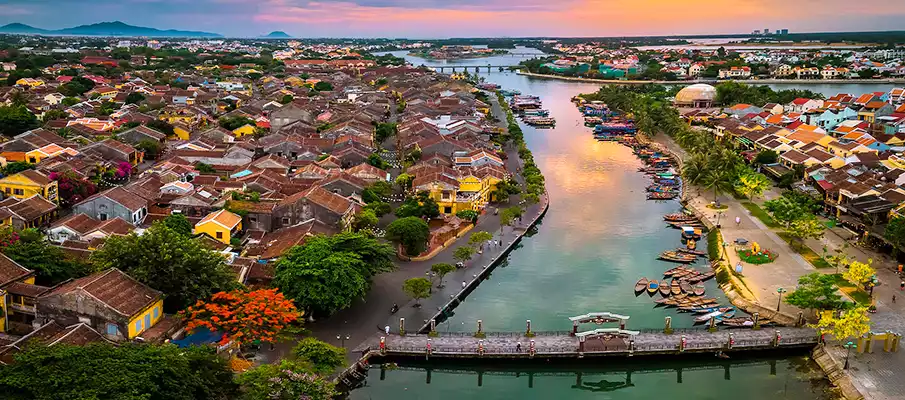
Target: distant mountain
<point>115,28</point>
<point>277,35</point>
<point>21,29</point>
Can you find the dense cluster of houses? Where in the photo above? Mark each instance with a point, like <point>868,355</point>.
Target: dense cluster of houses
<point>296,168</point>
<point>848,149</point>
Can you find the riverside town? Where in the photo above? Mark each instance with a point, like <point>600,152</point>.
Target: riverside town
<point>608,212</point>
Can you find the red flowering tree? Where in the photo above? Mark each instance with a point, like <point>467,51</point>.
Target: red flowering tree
<point>72,188</point>
<point>243,316</point>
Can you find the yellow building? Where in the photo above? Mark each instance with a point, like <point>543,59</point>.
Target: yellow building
<point>244,130</point>
<point>220,225</point>
<point>28,183</point>
<point>14,307</point>
<point>30,82</point>
<point>181,130</point>
<point>173,116</point>
<point>464,191</point>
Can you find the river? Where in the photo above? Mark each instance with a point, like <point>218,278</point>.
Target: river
<point>826,89</point>
<point>598,237</point>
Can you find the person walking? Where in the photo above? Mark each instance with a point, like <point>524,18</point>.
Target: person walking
<point>387,330</point>
<point>902,285</point>
<point>893,298</point>
<point>738,220</point>
<point>518,347</point>
<point>464,285</point>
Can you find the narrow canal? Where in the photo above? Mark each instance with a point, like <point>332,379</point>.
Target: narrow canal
<point>598,238</point>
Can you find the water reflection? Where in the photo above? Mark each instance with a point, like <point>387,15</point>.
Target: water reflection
<point>701,378</point>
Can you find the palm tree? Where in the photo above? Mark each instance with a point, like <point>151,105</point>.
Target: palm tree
<point>695,169</point>
<point>720,181</point>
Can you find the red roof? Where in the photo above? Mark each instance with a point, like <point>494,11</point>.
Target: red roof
<point>800,101</point>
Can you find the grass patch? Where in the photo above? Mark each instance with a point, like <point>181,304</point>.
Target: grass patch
<point>762,215</point>
<point>806,252</point>
<point>857,294</point>
<point>713,244</point>
<point>721,207</point>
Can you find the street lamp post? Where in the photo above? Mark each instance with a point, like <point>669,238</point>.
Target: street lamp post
<point>779,303</point>
<point>848,346</point>
<point>342,339</point>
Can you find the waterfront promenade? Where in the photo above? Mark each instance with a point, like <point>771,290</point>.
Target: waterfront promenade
<point>712,81</point>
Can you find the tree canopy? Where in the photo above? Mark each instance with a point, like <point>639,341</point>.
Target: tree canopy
<point>243,317</point>
<point>288,380</point>
<point>328,272</point>
<point>409,232</point>
<point>16,119</point>
<point>895,234</point>
<point>442,269</point>
<point>816,291</point>
<point>323,357</point>
<point>178,223</point>
<point>125,372</point>
<point>164,259</point>
<point>417,288</point>
<point>50,264</point>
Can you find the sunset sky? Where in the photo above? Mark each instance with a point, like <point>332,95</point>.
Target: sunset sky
<point>465,18</point>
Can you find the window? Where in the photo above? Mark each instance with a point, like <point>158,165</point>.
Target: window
<point>112,329</point>
<point>219,235</point>
<point>156,312</point>
<point>137,326</point>
<point>9,190</point>
<point>252,219</point>
<point>102,216</point>
<point>18,192</point>
<point>285,221</point>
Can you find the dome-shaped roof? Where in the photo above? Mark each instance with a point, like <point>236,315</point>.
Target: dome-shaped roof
<point>695,93</point>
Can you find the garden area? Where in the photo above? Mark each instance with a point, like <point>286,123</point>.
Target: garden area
<point>756,255</point>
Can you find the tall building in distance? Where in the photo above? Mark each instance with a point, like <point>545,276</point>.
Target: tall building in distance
<point>766,31</point>
<point>782,32</point>
<point>756,32</point>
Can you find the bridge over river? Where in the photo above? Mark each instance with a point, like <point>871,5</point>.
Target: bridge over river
<point>595,343</point>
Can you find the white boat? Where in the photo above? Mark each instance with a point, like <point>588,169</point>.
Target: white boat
<point>707,316</point>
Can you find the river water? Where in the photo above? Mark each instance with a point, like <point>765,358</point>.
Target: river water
<point>598,238</point>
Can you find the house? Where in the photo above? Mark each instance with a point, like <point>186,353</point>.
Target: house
<point>316,203</point>
<point>109,301</point>
<point>736,73</point>
<point>829,119</point>
<point>220,225</point>
<point>140,134</point>
<point>460,189</point>
<point>874,109</point>
<point>288,114</point>
<point>244,130</point>
<point>773,108</point>
<point>83,227</point>
<point>114,203</point>
<point>802,105</point>
<point>14,307</point>
<point>742,109</point>
<point>28,183</point>
<point>31,212</point>
<point>114,151</point>
<point>274,244</point>
<point>51,334</point>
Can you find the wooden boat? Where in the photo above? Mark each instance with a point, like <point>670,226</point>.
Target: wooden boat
<point>690,251</point>
<point>691,245</point>
<point>705,310</point>
<point>686,287</point>
<point>727,314</point>
<point>674,287</point>
<point>641,285</point>
<point>679,217</point>
<point>707,275</point>
<point>662,196</point>
<point>675,256</point>
<point>679,225</point>
<point>738,322</point>
<point>682,274</point>
<point>699,290</point>
<point>689,232</point>
<point>708,316</point>
<point>677,270</point>
<point>652,286</point>
<point>664,290</point>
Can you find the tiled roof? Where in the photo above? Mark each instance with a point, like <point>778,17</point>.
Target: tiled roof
<point>331,201</point>
<point>223,218</point>
<point>119,291</point>
<point>11,271</point>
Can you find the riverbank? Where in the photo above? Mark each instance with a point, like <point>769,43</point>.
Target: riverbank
<point>714,81</point>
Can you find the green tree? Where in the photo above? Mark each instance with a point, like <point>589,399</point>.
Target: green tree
<point>235,122</point>
<point>161,126</point>
<point>375,160</point>
<point>70,101</point>
<point>364,220</point>
<point>751,184</point>
<point>205,168</point>
<point>16,167</point>
<point>480,238</point>
<point>784,210</point>
<point>380,208</point>
<point>417,288</point>
<point>323,357</point>
<point>806,227</point>
<point>287,380</point>
<point>441,269</point>
<point>150,148</point>
<point>468,215</point>
<point>50,264</point>
<point>16,119</point>
<point>895,234</point>
<point>384,131</point>
<point>135,98</point>
<point>816,291</point>
<point>323,86</point>
<point>178,223</point>
<point>405,181</point>
<point>409,232</point>
<point>766,157</point>
<point>164,259</point>
<point>102,371</point>
<point>286,99</point>
<point>327,273</point>
<point>463,253</point>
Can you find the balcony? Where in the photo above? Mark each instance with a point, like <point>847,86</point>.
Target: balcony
<point>25,309</point>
